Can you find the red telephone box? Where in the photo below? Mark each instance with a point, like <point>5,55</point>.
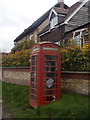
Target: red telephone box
<point>45,74</point>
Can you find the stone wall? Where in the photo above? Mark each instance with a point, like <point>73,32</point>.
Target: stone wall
<point>76,85</point>
<point>16,75</point>
<point>78,82</point>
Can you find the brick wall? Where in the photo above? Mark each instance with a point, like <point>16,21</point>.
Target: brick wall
<point>54,35</point>
<point>78,82</point>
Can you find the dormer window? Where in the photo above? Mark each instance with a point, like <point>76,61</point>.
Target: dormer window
<point>54,22</point>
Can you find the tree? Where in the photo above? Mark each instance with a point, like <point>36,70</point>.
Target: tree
<point>23,44</point>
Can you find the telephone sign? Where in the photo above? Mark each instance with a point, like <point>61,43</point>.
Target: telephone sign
<point>50,81</point>
<point>45,74</point>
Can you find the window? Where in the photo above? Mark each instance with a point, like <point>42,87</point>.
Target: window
<point>77,39</point>
<point>33,97</point>
<point>54,22</point>
<point>34,57</point>
<point>50,69</point>
<point>50,63</point>
<point>50,57</point>
<point>79,36</point>
<point>58,43</point>
<point>31,36</point>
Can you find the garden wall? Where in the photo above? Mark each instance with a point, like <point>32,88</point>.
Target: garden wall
<point>78,82</point>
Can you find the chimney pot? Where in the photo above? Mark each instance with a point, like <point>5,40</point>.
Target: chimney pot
<point>60,0</point>
<point>61,3</point>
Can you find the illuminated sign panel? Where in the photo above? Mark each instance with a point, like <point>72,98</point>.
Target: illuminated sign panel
<point>35,49</point>
<point>47,48</point>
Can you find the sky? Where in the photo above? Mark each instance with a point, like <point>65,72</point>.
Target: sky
<point>17,15</point>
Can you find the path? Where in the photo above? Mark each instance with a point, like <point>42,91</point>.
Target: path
<point>5,113</point>
<point>0,109</point>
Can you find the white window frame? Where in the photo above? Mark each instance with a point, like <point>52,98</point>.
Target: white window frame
<point>31,36</point>
<point>80,36</point>
<point>54,22</point>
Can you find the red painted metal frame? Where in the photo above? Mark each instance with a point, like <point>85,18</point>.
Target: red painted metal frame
<point>40,53</point>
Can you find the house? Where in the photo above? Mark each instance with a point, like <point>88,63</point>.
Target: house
<point>68,23</point>
<point>33,30</point>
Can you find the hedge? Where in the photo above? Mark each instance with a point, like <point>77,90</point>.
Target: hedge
<point>73,58</point>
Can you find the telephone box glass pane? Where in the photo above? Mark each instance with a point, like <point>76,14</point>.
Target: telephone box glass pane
<point>34,57</point>
<point>34,63</point>
<point>33,97</point>
<point>50,74</point>
<point>50,57</point>
<point>33,79</point>
<point>50,98</point>
<point>50,92</point>
<point>50,69</point>
<point>33,68</point>
<point>50,80</point>
<point>33,74</point>
<point>33,85</point>
<point>50,86</point>
<point>33,91</point>
<point>50,63</point>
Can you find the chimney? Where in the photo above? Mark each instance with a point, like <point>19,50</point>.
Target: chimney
<point>61,3</point>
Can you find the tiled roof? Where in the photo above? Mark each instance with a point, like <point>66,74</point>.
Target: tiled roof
<point>60,10</point>
<point>63,11</point>
<point>71,9</point>
<point>45,29</point>
<point>38,22</point>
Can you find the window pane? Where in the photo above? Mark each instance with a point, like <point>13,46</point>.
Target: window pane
<point>33,74</point>
<point>49,98</point>
<point>33,85</point>
<point>34,63</point>
<point>54,80</point>
<point>50,63</point>
<point>33,91</point>
<point>50,68</point>
<point>33,79</point>
<point>50,92</point>
<point>56,20</point>
<point>50,74</point>
<point>33,97</point>
<point>50,57</point>
<point>33,68</point>
<point>52,24</point>
<point>50,86</point>
<point>34,57</point>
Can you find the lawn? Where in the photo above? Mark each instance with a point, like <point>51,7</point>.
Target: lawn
<point>16,100</point>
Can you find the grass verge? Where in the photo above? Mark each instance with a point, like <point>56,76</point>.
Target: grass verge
<point>16,100</point>
<point>0,89</point>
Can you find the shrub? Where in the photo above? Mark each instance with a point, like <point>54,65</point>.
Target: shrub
<point>73,58</point>
<point>17,59</point>
<point>76,59</point>
<point>23,45</point>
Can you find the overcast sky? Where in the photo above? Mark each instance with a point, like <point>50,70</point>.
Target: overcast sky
<point>17,15</point>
